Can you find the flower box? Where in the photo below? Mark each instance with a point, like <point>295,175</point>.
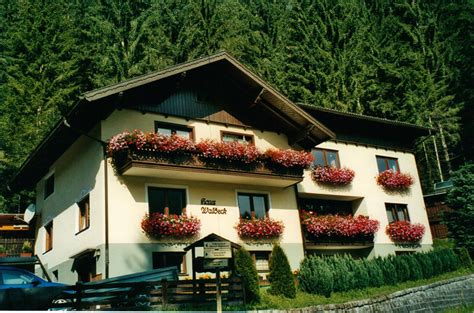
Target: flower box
<point>158,225</point>
<point>332,175</point>
<point>405,232</point>
<point>394,180</point>
<point>338,228</point>
<point>265,228</point>
<point>137,145</point>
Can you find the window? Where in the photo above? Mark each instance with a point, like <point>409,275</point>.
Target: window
<point>166,259</point>
<point>84,213</point>
<point>10,277</point>
<point>325,207</point>
<point>397,212</point>
<point>384,164</point>
<point>48,236</point>
<point>168,129</point>
<point>49,186</point>
<point>236,137</point>
<point>252,205</point>
<point>323,157</point>
<point>166,200</point>
<point>261,260</point>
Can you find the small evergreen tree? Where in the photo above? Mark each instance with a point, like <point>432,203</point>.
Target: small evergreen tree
<point>389,273</point>
<point>281,277</point>
<point>402,268</point>
<point>361,276</point>
<point>343,277</point>
<point>375,273</point>
<point>245,268</point>
<point>464,258</point>
<point>316,276</point>
<point>426,264</point>
<point>416,272</point>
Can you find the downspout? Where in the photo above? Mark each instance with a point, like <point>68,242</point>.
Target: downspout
<point>106,212</point>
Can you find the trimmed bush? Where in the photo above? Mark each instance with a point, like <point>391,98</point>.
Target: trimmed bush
<point>376,278</point>
<point>437,263</point>
<point>426,264</point>
<point>390,276</point>
<point>343,277</point>
<point>245,268</point>
<point>361,277</point>
<point>464,258</point>
<point>416,272</point>
<point>281,277</point>
<point>402,268</point>
<point>316,276</point>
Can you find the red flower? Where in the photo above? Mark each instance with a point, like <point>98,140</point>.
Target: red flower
<point>230,151</point>
<point>265,228</point>
<point>333,175</point>
<point>158,225</point>
<point>338,226</point>
<point>289,158</point>
<point>403,231</point>
<point>394,180</point>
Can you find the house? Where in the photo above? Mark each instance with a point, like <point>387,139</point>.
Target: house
<point>91,202</point>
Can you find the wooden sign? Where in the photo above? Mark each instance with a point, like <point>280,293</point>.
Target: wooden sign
<point>212,264</point>
<point>217,250</point>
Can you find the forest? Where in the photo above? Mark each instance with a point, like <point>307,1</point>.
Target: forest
<point>410,61</point>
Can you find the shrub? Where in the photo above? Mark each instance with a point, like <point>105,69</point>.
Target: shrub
<point>361,276</point>
<point>416,272</point>
<point>376,277</point>
<point>426,264</point>
<point>402,268</point>
<point>281,277</point>
<point>316,276</point>
<point>449,260</point>
<point>343,277</point>
<point>437,263</point>
<point>245,268</point>
<point>390,276</point>
<point>464,258</point>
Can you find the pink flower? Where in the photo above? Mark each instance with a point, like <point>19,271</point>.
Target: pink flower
<point>338,226</point>
<point>158,225</point>
<point>404,231</point>
<point>265,228</point>
<point>333,175</point>
<point>394,180</point>
<point>289,158</point>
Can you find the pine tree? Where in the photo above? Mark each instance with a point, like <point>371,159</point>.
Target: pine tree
<point>281,277</point>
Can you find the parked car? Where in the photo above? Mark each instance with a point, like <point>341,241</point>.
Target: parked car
<point>22,290</point>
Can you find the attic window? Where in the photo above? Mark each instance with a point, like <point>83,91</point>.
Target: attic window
<point>49,186</point>
<point>237,137</point>
<point>169,129</point>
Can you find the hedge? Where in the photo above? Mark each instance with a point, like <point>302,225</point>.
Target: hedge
<point>323,275</point>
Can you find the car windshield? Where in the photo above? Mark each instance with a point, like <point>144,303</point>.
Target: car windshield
<point>16,278</point>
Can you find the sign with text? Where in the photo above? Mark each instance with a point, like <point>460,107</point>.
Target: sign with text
<point>217,250</point>
<point>211,264</point>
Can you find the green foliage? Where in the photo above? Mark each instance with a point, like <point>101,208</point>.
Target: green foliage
<point>390,276</point>
<point>245,268</point>
<point>415,269</point>
<point>361,276</point>
<point>464,258</point>
<point>402,268</point>
<point>281,277</point>
<point>376,277</point>
<point>316,276</point>
<point>343,277</point>
<point>2,249</point>
<point>426,264</point>
<point>461,200</point>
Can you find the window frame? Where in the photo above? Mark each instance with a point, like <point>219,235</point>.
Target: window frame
<point>252,209</point>
<point>175,187</point>
<point>250,142</point>
<point>175,127</point>
<point>386,160</point>
<point>254,258</point>
<point>325,158</point>
<point>393,208</point>
<point>86,215</point>
<point>183,269</point>
<point>49,186</point>
<point>48,243</point>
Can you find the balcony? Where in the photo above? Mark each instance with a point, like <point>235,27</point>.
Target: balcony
<point>13,246</point>
<point>193,168</point>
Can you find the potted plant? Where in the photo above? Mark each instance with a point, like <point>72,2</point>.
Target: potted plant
<point>405,232</point>
<point>332,175</point>
<point>180,227</point>
<point>394,181</point>
<point>3,251</point>
<point>26,249</point>
<point>259,228</point>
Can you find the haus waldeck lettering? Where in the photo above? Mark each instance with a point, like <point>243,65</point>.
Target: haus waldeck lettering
<point>216,151</point>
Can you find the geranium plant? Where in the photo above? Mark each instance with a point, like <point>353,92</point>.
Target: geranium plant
<point>392,180</point>
<point>228,151</point>
<point>289,158</point>
<point>158,225</point>
<point>265,228</point>
<point>332,175</point>
<point>338,226</point>
<point>404,231</point>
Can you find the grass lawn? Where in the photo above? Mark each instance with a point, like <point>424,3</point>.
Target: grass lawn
<point>305,300</point>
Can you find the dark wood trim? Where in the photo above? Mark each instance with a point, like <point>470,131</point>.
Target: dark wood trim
<point>252,137</point>
<point>252,209</point>
<point>324,151</point>
<point>392,148</point>
<point>386,159</point>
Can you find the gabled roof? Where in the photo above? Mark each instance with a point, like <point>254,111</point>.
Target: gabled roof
<point>303,130</point>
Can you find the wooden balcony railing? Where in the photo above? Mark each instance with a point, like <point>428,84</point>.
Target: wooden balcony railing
<point>13,246</point>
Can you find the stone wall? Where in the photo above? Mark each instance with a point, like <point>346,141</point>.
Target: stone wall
<point>436,297</point>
